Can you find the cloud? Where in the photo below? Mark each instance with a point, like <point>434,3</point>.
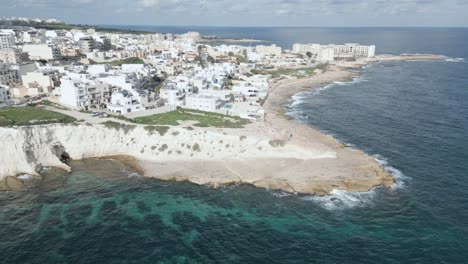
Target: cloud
<point>243,11</point>
<point>49,3</point>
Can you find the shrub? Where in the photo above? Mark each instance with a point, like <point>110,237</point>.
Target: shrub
<point>118,126</point>
<point>277,143</point>
<point>162,130</point>
<point>163,148</point>
<point>196,147</point>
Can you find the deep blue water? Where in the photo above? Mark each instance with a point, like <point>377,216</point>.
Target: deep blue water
<point>411,115</point>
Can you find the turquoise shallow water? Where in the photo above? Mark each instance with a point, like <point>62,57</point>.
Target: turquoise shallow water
<point>413,116</point>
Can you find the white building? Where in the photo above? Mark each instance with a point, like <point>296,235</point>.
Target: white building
<point>203,102</point>
<point>86,44</point>
<point>350,50</point>
<point>41,52</point>
<point>124,102</point>
<point>272,50</point>
<point>73,93</point>
<point>300,48</point>
<point>7,74</point>
<point>5,98</point>
<point>40,81</point>
<point>9,55</point>
<point>324,52</point>
<point>7,39</point>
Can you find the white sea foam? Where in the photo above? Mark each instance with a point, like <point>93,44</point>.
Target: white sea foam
<point>298,99</point>
<point>280,193</point>
<point>358,79</point>
<point>340,199</point>
<point>134,175</point>
<point>455,60</point>
<point>400,178</point>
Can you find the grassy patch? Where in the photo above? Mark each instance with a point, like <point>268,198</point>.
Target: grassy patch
<point>279,73</point>
<point>277,143</point>
<point>124,61</point>
<point>118,126</point>
<point>162,130</point>
<point>23,116</point>
<point>52,104</point>
<point>5,122</point>
<point>204,119</point>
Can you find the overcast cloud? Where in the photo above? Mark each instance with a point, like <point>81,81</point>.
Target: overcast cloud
<point>246,12</point>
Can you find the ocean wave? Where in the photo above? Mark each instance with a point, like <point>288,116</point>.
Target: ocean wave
<point>134,175</point>
<point>400,178</point>
<point>358,79</point>
<point>341,199</point>
<point>298,99</point>
<point>280,194</point>
<point>455,60</point>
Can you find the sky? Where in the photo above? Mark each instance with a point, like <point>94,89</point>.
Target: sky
<point>319,13</point>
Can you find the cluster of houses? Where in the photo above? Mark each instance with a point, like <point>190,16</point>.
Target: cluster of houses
<point>139,74</point>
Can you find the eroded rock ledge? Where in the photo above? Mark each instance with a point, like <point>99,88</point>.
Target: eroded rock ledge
<point>200,155</point>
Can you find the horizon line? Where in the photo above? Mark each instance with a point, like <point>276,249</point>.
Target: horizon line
<point>263,26</point>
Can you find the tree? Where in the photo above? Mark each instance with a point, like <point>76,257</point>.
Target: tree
<point>231,54</point>
<point>309,54</point>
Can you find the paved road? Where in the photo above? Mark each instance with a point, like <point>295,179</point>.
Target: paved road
<point>86,116</point>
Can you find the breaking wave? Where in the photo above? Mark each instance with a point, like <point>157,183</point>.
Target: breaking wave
<point>455,60</point>
<point>400,178</point>
<point>340,199</point>
<point>299,98</point>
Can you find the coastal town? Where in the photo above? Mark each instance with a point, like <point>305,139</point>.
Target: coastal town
<point>183,107</point>
<point>142,74</point>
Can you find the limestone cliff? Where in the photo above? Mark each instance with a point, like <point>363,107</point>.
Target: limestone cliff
<point>24,149</point>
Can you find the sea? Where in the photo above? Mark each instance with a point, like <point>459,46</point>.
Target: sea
<point>411,116</point>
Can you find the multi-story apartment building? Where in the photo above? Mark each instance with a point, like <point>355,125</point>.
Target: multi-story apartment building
<point>7,39</point>
<point>5,97</point>
<point>8,76</point>
<point>87,44</point>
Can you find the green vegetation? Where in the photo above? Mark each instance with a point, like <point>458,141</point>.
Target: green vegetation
<point>277,143</point>
<point>62,26</point>
<point>5,122</point>
<point>196,147</point>
<point>23,116</point>
<point>204,119</point>
<point>52,104</point>
<point>323,67</point>
<point>124,61</point>
<point>118,126</point>
<point>163,148</point>
<point>299,72</point>
<point>162,130</point>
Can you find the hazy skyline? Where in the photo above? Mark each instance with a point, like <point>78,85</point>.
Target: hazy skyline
<point>247,12</point>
